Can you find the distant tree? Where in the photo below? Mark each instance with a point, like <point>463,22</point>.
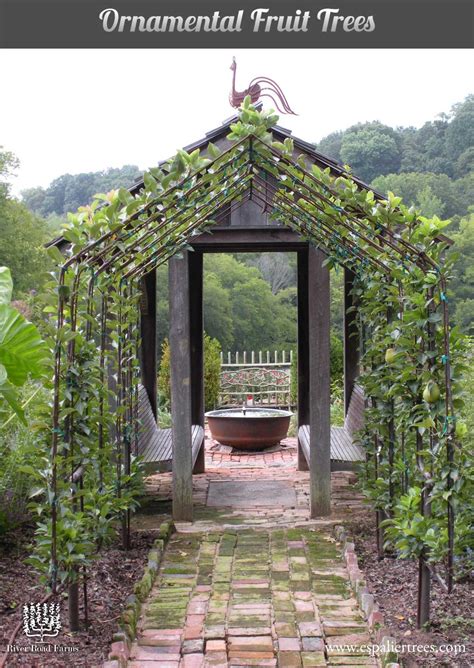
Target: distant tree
<point>429,204</point>
<point>8,164</point>
<point>465,162</point>
<point>461,285</point>
<point>431,142</point>
<point>371,149</point>
<point>412,157</point>
<point>70,191</point>
<point>331,145</point>
<point>22,239</point>
<point>277,269</point>
<point>415,189</point>
<point>460,131</point>
<point>441,146</point>
<point>218,311</point>
<point>22,234</point>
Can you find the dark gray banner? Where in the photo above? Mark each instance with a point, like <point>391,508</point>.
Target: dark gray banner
<point>233,24</point>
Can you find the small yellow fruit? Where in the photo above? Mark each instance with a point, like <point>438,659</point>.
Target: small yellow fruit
<point>461,429</point>
<point>431,392</point>
<point>390,355</point>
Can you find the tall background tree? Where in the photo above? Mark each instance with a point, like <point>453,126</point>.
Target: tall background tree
<point>22,234</point>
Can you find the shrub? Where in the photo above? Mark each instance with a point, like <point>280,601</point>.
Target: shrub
<point>212,373</point>
<point>336,364</point>
<point>164,376</point>
<point>19,452</point>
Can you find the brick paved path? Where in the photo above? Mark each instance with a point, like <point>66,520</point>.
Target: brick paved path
<point>253,587</point>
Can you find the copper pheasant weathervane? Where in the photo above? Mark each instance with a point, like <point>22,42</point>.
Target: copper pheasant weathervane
<point>258,88</point>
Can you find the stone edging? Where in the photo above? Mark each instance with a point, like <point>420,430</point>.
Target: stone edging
<point>388,656</point>
<point>126,634</point>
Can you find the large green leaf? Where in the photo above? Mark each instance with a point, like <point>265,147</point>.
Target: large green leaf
<point>6,285</point>
<point>22,352</point>
<point>9,394</point>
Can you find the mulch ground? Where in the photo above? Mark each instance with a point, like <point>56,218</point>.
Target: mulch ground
<point>394,585</point>
<point>110,581</point>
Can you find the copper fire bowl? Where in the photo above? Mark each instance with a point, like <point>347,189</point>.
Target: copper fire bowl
<point>249,428</point>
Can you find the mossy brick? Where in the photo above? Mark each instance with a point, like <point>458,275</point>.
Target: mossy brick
<point>300,585</point>
<point>214,619</point>
<point>248,621</point>
<point>283,605</point>
<point>289,660</point>
<point>283,616</point>
<point>164,531</point>
<point>300,576</point>
<point>213,537</point>
<point>305,616</point>
<point>286,630</point>
<point>355,661</point>
<point>177,604</point>
<point>153,555</point>
<point>179,569</point>
<point>310,659</point>
<point>152,623</point>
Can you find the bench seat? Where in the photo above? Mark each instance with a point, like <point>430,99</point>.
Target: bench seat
<point>155,445</point>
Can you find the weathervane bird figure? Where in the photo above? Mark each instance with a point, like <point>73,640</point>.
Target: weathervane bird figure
<point>258,88</point>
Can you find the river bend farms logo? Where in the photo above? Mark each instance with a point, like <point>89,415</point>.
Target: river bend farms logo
<point>327,20</point>
<point>41,620</point>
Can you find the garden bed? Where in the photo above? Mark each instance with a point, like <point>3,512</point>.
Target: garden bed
<point>110,580</point>
<point>394,585</point>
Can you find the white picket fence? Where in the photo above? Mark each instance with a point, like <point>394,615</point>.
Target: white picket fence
<point>258,358</point>
<point>262,375</point>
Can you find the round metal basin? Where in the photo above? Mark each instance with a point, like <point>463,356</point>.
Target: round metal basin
<point>249,428</point>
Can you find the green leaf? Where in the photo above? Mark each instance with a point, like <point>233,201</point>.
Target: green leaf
<point>6,285</point>
<point>8,392</point>
<point>213,150</point>
<point>22,351</point>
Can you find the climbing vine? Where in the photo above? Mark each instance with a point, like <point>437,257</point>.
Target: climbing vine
<point>410,364</point>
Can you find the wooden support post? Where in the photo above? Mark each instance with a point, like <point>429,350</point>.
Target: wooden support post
<point>303,350</point>
<point>181,387</point>
<point>319,384</point>
<point>73,606</point>
<point>351,340</point>
<point>148,336</point>
<point>197,347</point>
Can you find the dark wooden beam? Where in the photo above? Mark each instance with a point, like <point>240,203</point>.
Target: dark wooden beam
<point>303,350</point>
<point>351,340</point>
<point>181,387</point>
<point>148,338</point>
<point>319,382</point>
<point>248,239</point>
<point>197,346</point>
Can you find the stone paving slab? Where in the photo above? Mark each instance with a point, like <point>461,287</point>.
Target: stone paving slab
<point>251,493</point>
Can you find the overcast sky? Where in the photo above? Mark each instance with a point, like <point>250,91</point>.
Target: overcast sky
<point>86,110</point>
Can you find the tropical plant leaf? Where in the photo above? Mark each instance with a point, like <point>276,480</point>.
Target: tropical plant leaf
<point>6,285</point>
<point>9,394</point>
<point>22,351</point>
